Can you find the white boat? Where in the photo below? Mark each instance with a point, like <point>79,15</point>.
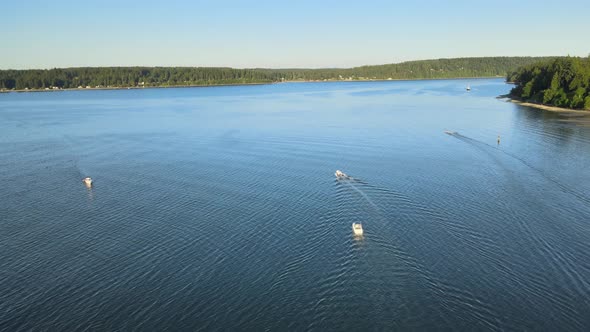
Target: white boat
<point>357,229</point>
<point>468,88</point>
<point>88,181</point>
<point>448,132</point>
<point>340,175</point>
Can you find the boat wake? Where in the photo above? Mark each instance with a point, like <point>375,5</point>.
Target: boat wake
<point>402,230</point>
<point>361,193</point>
<point>563,187</point>
<point>82,172</point>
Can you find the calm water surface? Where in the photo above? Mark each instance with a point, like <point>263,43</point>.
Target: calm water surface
<point>217,209</point>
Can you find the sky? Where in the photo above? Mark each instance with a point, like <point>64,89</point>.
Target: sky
<point>283,34</point>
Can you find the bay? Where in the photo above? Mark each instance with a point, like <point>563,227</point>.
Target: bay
<point>216,208</point>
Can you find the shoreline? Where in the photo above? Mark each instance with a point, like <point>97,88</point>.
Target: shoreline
<point>133,87</point>
<point>546,107</point>
<point>244,84</point>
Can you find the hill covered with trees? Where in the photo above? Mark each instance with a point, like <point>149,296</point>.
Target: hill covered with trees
<point>562,82</point>
<point>93,77</point>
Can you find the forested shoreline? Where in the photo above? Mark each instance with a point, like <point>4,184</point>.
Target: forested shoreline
<point>123,77</point>
<point>562,82</point>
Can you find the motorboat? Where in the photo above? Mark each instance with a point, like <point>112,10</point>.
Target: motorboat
<point>468,88</point>
<point>340,175</point>
<point>87,181</point>
<point>357,229</point>
<point>449,132</point>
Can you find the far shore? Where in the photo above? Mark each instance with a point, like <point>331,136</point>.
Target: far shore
<point>132,87</point>
<point>240,84</point>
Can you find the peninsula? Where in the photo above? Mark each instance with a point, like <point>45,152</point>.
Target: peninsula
<point>558,84</point>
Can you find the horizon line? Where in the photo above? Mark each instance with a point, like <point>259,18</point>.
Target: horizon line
<point>298,68</point>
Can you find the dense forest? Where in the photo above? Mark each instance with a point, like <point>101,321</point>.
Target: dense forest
<point>563,82</point>
<point>97,77</point>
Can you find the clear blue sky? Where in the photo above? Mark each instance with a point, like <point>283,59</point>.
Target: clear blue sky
<point>302,33</point>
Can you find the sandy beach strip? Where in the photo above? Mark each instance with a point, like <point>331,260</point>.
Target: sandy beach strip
<point>548,107</point>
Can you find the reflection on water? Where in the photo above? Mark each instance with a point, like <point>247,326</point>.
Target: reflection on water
<point>90,194</point>
<point>217,209</point>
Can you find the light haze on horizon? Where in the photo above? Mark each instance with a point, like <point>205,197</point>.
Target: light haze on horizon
<point>281,34</point>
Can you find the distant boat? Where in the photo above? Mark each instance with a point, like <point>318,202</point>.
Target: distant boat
<point>357,229</point>
<point>468,88</point>
<point>340,175</point>
<point>88,181</point>
<point>448,132</point>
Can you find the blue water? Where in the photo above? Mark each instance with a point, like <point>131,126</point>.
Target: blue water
<point>217,209</point>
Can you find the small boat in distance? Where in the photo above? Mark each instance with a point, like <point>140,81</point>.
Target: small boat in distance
<point>357,229</point>
<point>340,175</point>
<point>468,88</point>
<point>88,181</point>
<point>448,132</point>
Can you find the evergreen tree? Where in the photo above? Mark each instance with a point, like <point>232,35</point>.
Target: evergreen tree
<point>563,82</point>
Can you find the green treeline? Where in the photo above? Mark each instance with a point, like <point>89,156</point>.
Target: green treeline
<point>127,77</point>
<point>563,82</point>
<point>184,76</point>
